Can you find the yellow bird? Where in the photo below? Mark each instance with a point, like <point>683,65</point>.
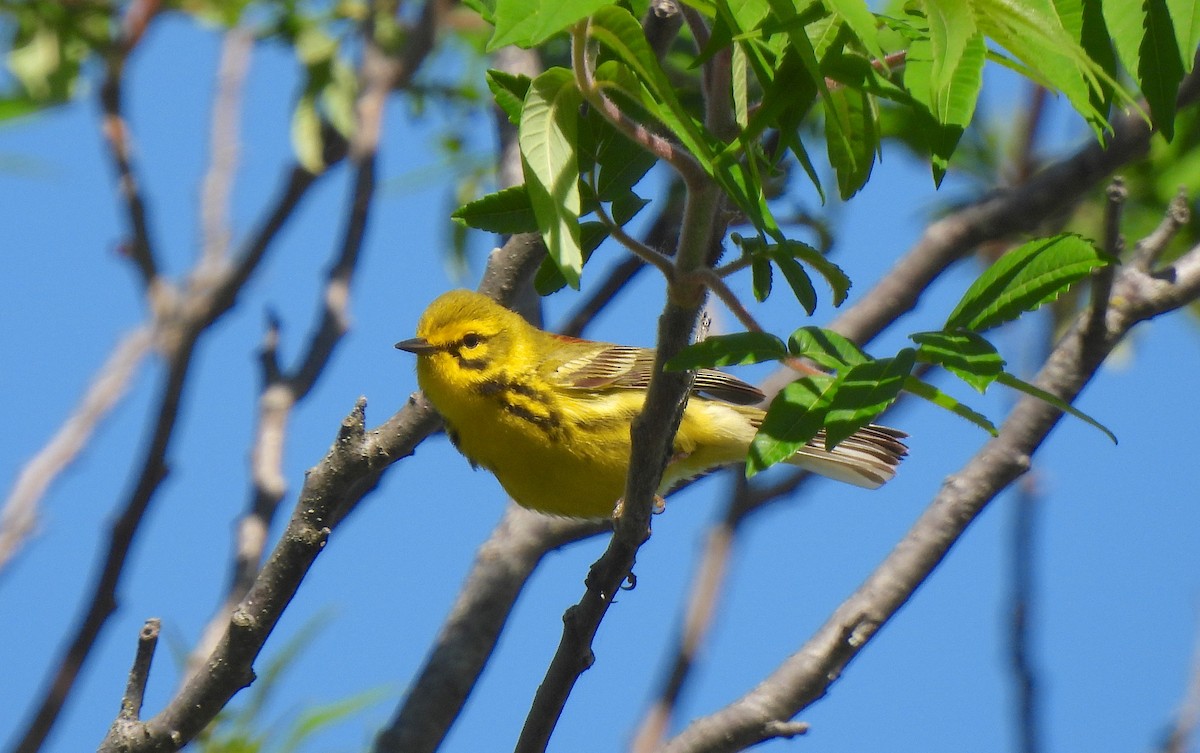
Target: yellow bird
<point>549,415</point>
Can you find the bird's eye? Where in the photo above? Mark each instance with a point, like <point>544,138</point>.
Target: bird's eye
<point>471,340</point>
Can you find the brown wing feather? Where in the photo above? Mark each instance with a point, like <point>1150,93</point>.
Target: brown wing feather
<point>627,367</point>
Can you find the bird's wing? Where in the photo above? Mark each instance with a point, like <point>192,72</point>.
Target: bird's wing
<point>627,367</point>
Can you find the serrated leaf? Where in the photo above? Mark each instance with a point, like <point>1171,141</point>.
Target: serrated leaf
<point>1032,32</point>
<point>737,349</point>
<point>826,348</point>
<point>1160,68</point>
<point>505,212</point>
<point>1023,279</point>
<point>851,137</point>
<point>964,354</point>
<point>798,281</point>
<point>866,390</point>
<point>549,123</point>
<point>958,55</point>
<point>940,139</point>
<point>927,391</point>
<point>795,416</point>
<point>528,23</point>
<point>509,90</point>
<point>839,281</point>
<point>859,18</point>
<point>1009,380</point>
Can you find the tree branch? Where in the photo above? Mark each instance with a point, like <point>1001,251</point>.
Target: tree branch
<point>808,674</point>
<point>465,643</point>
<point>19,517</point>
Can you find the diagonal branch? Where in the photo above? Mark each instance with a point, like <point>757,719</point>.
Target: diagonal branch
<point>808,674</point>
<point>19,516</point>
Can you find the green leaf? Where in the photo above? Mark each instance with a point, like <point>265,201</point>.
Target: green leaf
<point>1023,279</point>
<point>760,273</point>
<point>826,348</point>
<point>838,129</point>
<point>866,390</point>
<point>626,206</point>
<point>964,354</point>
<point>549,278</point>
<point>549,123</point>
<point>1160,68</point>
<point>614,27</point>
<point>940,139</point>
<point>1009,380</point>
<point>927,391</point>
<point>507,211</point>
<point>851,137</point>
<point>799,282</point>
<point>1032,32</point>
<point>838,281</point>
<point>528,23</point>
<point>958,55</point>
<point>18,106</point>
<point>509,91</point>
<point>795,416</point>
<point>859,18</point>
<point>1126,22</point>
<point>622,164</point>
<point>1186,15</point>
<point>323,716</point>
<point>738,349</point>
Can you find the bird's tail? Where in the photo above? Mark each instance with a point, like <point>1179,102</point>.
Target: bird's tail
<point>867,458</point>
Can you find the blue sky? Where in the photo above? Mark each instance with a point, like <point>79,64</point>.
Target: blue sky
<point>1117,555</point>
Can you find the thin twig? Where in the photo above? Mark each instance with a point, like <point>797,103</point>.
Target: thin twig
<point>282,392</point>
<point>223,148</point>
<point>1148,251</point>
<point>463,646</point>
<point>1025,675</point>
<point>19,517</point>
<point>139,675</point>
<point>1182,732</point>
<point>673,154</point>
<point>714,283</point>
<point>636,247</point>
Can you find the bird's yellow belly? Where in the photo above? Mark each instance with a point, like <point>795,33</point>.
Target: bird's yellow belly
<point>554,463</point>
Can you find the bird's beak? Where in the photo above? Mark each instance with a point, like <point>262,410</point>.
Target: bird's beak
<point>418,345</point>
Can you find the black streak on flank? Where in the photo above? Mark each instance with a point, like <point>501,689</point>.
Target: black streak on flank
<point>504,389</point>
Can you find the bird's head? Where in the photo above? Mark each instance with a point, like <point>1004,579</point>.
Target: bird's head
<point>465,338</point>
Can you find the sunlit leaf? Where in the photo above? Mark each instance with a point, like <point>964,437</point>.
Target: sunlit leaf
<point>527,23</point>
<point>798,281</point>
<point>1024,279</point>
<point>505,212</point>
<point>965,354</point>
<point>826,348</point>
<point>549,123</point>
<point>795,416</point>
<point>927,391</point>
<point>866,390</point>
<point>737,349</point>
<point>1009,380</point>
<point>509,91</point>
